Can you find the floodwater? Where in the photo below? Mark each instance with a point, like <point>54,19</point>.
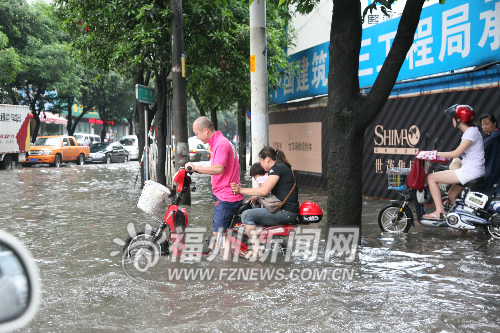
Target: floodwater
<point>74,218</point>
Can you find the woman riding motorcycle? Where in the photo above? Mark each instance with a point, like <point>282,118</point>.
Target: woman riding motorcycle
<point>472,167</point>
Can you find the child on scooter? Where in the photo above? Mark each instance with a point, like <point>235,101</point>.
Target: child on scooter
<point>258,173</point>
<point>260,176</point>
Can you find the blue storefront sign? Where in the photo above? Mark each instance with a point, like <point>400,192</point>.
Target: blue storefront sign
<point>459,34</point>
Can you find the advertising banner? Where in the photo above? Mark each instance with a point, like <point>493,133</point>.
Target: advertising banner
<point>458,34</point>
<point>301,144</point>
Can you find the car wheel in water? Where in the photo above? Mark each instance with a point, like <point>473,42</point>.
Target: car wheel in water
<point>108,159</point>
<point>80,160</point>
<point>6,163</point>
<point>57,161</point>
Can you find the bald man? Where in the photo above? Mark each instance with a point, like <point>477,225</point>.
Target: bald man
<point>224,169</point>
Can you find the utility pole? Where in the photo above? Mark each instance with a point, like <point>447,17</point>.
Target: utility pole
<point>179,90</point>
<point>258,78</point>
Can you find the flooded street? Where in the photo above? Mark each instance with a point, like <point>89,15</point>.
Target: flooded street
<point>74,218</point>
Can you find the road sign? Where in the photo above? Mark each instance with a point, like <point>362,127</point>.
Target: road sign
<point>252,63</point>
<point>144,94</point>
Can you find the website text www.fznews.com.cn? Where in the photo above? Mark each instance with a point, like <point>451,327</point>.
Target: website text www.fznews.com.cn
<point>260,274</point>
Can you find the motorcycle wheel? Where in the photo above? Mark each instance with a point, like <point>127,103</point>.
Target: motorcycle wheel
<point>492,231</point>
<point>387,219</point>
<point>144,241</point>
<point>279,245</point>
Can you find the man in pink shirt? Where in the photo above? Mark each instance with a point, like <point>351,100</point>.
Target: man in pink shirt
<point>224,169</point>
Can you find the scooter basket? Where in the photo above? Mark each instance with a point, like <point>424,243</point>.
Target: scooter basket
<point>397,178</point>
<point>153,194</point>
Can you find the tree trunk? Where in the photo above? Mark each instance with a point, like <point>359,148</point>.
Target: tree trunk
<point>161,123</point>
<point>179,91</point>
<point>349,111</point>
<point>242,134</point>
<point>102,113</point>
<point>130,121</point>
<point>198,104</point>
<point>36,114</point>
<point>69,126</point>
<point>213,117</point>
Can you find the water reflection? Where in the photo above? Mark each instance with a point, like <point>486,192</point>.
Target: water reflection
<point>431,279</point>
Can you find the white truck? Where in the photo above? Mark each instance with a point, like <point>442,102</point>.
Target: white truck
<point>14,134</point>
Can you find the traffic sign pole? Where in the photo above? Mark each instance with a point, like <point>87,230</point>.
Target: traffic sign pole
<point>145,95</point>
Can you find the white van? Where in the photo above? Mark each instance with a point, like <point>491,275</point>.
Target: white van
<point>131,144</point>
<point>80,138</point>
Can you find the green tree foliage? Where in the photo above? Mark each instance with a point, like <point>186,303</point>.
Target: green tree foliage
<point>43,53</point>
<point>36,66</point>
<point>218,49</point>
<point>9,62</point>
<point>117,35</point>
<point>114,98</point>
<point>125,37</point>
<point>135,36</point>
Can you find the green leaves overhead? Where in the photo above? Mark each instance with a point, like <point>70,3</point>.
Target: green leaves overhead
<point>115,35</point>
<point>34,55</point>
<point>9,61</point>
<point>118,34</point>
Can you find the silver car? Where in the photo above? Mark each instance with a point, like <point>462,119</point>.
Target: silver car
<point>130,143</point>
<point>199,153</point>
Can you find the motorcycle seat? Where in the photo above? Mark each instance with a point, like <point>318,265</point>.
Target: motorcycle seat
<point>244,207</point>
<point>474,183</point>
<point>288,223</point>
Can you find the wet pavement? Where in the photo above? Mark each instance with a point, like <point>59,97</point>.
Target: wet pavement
<point>74,218</point>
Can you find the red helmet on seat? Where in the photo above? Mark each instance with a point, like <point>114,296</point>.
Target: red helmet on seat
<point>310,212</point>
<point>464,113</point>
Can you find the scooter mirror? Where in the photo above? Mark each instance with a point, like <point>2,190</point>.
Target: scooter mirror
<point>437,142</point>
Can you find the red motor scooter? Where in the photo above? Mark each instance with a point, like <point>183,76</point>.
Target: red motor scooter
<point>169,238</point>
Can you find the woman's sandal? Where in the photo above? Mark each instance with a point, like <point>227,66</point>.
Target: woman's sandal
<point>250,254</point>
<point>434,216</point>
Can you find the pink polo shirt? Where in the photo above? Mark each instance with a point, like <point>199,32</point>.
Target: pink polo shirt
<point>223,153</point>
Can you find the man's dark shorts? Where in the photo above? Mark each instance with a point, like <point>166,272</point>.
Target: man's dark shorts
<point>223,213</point>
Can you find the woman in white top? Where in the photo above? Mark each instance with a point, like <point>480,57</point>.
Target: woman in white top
<point>472,149</point>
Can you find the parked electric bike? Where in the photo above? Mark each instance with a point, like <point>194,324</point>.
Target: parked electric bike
<point>475,210</point>
<point>169,238</point>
